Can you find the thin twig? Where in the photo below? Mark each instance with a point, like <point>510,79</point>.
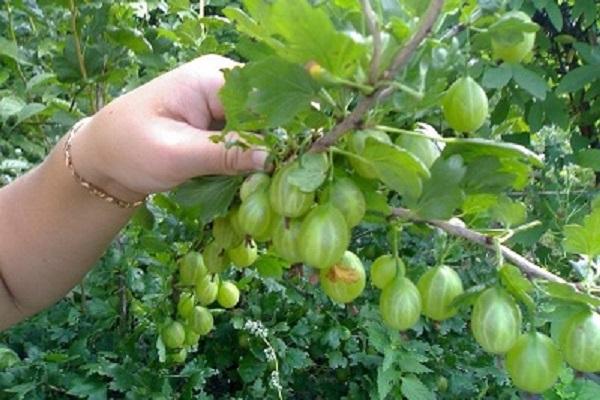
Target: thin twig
<point>456,229</point>
<point>373,27</point>
<point>354,119</point>
<point>79,52</point>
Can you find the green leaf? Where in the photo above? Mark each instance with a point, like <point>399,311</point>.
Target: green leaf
<point>398,169</point>
<point>441,193</point>
<point>578,78</point>
<point>555,15</point>
<point>469,297</point>
<point>208,197</point>
<point>530,81</point>
<point>589,158</point>
<point>414,389</point>
<point>10,106</point>
<point>564,291</point>
<point>517,284</point>
<point>307,32</point>
<point>131,38</point>
<point>509,212</point>
<point>471,149</point>
<point>87,388</point>
<point>584,239</point>
<point>29,111</point>
<point>10,49</point>
<point>270,266</point>
<point>386,380</point>
<point>510,30</point>
<point>496,78</point>
<point>268,92</point>
<point>311,172</point>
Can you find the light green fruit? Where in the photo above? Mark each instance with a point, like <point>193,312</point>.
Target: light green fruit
<point>191,337</point>
<point>384,270</point>
<point>534,363</point>
<point>255,215</point>
<point>465,105</point>
<point>356,144</point>
<point>344,281</point>
<point>324,237</point>
<point>177,357</point>
<point>173,335</point>
<point>224,233</point>
<point>243,255</point>
<point>201,320</point>
<point>185,304</point>
<point>215,258</point>
<point>207,289</point>
<point>287,199</point>
<point>191,268</point>
<point>496,321</point>
<point>581,342</point>
<point>285,239</point>
<point>508,50</point>
<point>229,295</point>
<point>439,287</point>
<point>349,199</point>
<point>400,304</point>
<point>254,183</point>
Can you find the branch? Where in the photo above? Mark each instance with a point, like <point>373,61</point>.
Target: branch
<point>461,231</point>
<point>353,120</point>
<point>372,26</point>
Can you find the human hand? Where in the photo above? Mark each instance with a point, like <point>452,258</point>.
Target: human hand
<point>158,135</point>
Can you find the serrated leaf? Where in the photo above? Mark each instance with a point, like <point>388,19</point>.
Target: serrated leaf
<point>311,172</point>
<point>509,212</point>
<point>564,291</point>
<point>207,197</point>
<point>441,192</point>
<point>414,389</point>
<point>300,32</point>
<point>398,169</point>
<point>584,239</point>
<point>386,379</point>
<point>530,81</point>
<point>517,284</point>
<point>266,93</point>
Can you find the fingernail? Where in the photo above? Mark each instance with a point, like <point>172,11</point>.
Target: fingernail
<point>259,160</point>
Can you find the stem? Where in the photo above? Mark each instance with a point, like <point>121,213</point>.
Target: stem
<point>408,90</point>
<point>276,366</point>
<point>348,154</point>
<point>373,27</point>
<point>461,231</point>
<point>78,51</point>
<point>354,119</point>
<point>13,36</point>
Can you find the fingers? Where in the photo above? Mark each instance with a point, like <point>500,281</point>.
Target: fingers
<point>193,153</point>
<point>200,81</point>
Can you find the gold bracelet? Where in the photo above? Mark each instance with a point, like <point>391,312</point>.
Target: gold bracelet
<point>93,189</point>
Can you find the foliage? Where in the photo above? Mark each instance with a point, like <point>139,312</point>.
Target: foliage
<point>285,335</point>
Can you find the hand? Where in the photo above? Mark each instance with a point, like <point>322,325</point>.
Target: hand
<point>157,136</point>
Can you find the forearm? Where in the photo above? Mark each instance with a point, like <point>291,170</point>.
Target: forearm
<point>52,232</point>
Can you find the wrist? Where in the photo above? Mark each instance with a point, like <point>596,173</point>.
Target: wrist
<point>92,171</point>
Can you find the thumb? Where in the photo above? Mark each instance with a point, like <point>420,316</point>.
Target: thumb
<point>198,155</point>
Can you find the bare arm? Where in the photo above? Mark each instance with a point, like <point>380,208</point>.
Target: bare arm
<point>150,140</point>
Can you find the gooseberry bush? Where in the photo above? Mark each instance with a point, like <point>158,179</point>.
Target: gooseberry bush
<point>427,227</point>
